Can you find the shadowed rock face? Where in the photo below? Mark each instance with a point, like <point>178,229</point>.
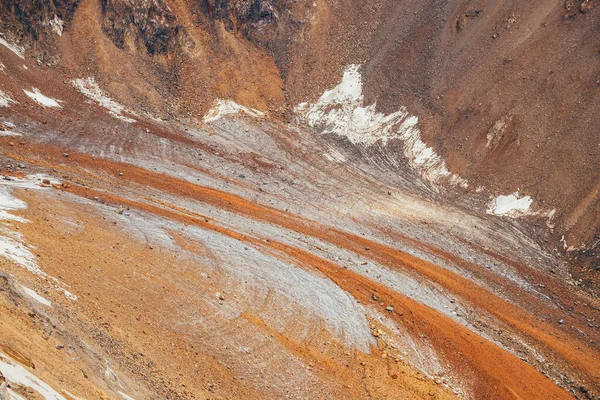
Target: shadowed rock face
<point>244,10</point>
<point>150,26</point>
<point>274,25</point>
<point>34,23</point>
<point>253,18</point>
<point>153,28</point>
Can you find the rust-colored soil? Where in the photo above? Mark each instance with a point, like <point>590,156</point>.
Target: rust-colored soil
<point>179,231</point>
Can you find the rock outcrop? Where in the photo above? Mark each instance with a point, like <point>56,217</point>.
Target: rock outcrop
<point>35,24</point>
<point>142,26</point>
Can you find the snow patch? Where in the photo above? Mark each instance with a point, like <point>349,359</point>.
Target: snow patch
<point>5,100</point>
<point>227,107</point>
<point>12,244</point>
<point>125,396</point>
<point>16,251</point>
<point>71,395</point>
<point>7,129</point>
<point>89,88</point>
<point>514,206</point>
<point>45,101</point>
<point>341,111</point>
<point>31,293</point>
<point>18,50</point>
<point>17,374</point>
<point>10,203</point>
<point>111,375</point>
<point>511,205</point>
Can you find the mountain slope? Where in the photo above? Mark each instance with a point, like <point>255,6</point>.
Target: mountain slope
<point>299,199</point>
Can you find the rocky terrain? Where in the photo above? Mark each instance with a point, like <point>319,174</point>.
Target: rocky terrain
<point>208,199</point>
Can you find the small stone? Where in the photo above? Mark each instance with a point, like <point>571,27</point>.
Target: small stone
<point>22,166</point>
<point>121,173</point>
<point>389,309</point>
<point>46,181</point>
<point>561,321</point>
<point>374,297</point>
<point>60,347</point>
<point>65,154</point>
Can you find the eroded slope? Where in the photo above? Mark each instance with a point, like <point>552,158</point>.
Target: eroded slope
<point>175,224</point>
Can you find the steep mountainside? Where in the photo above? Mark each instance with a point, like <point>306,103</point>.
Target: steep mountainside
<point>299,199</point>
<point>505,91</point>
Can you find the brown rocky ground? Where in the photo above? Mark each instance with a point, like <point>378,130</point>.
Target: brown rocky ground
<point>523,74</point>
<point>253,257</point>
